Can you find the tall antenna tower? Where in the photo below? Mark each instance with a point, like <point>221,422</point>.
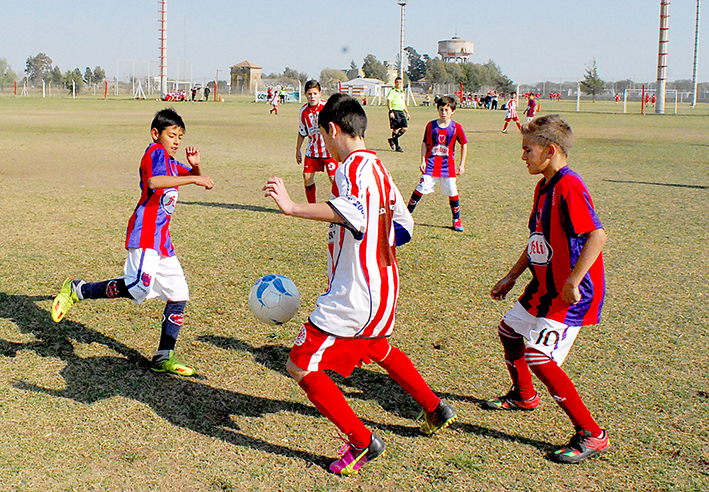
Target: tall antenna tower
<point>696,50</point>
<point>163,48</point>
<point>402,3</point>
<point>662,56</point>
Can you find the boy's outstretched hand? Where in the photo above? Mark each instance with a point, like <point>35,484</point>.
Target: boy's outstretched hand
<point>192,156</point>
<point>501,288</point>
<point>204,181</point>
<point>276,189</point>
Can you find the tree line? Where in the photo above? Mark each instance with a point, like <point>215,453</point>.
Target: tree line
<point>41,68</point>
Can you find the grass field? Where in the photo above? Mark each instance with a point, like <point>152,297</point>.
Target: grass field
<point>80,412</point>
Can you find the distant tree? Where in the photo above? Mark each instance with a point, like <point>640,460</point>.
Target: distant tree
<point>374,69</point>
<point>88,76</point>
<point>330,77</point>
<point>73,76</point>
<point>99,75</point>
<point>417,65</point>
<point>291,73</point>
<point>7,75</point>
<point>38,68</point>
<point>436,72</point>
<point>592,83</point>
<point>56,77</point>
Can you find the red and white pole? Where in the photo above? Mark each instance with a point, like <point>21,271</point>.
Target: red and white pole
<point>163,49</point>
<point>662,56</point>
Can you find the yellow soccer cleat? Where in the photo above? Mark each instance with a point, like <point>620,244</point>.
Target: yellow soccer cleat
<point>64,300</point>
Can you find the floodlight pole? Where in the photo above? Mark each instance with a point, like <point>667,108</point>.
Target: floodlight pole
<point>402,3</point>
<point>163,49</point>
<point>662,57</point>
<point>696,50</point>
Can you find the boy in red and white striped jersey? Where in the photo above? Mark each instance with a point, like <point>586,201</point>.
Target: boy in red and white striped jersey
<point>353,318</point>
<point>317,158</point>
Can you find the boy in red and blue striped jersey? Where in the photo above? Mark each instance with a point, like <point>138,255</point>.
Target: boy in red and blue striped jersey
<point>564,254</point>
<point>151,270</point>
<point>438,159</point>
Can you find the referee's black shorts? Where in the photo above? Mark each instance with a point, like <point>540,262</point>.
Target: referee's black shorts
<point>398,120</point>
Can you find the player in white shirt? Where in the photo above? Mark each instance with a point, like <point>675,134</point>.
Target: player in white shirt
<point>353,318</point>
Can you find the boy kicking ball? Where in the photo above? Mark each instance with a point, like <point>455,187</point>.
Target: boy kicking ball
<point>352,320</point>
<point>564,254</point>
<point>151,270</point>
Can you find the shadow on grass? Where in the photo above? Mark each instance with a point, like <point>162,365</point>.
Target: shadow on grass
<point>362,384</point>
<point>183,402</point>
<point>235,206</point>
<point>698,187</point>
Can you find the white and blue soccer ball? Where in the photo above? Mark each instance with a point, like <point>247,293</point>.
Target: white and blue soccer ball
<point>274,299</point>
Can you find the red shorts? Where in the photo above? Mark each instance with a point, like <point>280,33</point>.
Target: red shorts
<point>315,350</point>
<point>317,165</point>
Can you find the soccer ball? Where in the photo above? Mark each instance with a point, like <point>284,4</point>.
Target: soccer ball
<point>274,299</point>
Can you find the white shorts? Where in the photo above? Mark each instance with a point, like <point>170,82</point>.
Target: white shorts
<point>549,337</point>
<point>427,184</point>
<point>149,275</point>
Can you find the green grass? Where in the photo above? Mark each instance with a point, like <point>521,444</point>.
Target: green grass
<point>80,412</point>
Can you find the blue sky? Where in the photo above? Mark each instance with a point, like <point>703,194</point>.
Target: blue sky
<point>531,41</point>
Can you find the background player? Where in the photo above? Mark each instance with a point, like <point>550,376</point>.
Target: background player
<point>437,158</point>
<point>531,109</point>
<point>317,158</point>
<point>564,254</point>
<point>398,114</point>
<point>511,112</point>
<point>354,317</point>
<point>151,270</point>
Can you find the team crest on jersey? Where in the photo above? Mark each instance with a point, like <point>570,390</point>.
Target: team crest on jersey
<point>176,319</point>
<point>538,249</point>
<point>300,339</point>
<point>146,279</point>
<point>442,138</point>
<point>168,201</point>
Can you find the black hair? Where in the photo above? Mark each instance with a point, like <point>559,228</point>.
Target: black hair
<point>446,101</point>
<point>165,118</point>
<point>310,84</point>
<point>346,112</point>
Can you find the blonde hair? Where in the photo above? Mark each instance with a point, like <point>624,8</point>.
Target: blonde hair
<point>550,129</point>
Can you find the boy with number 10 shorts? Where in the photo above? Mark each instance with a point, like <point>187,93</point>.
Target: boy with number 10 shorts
<point>564,254</point>
<point>317,158</point>
<point>151,270</point>
<point>353,318</point>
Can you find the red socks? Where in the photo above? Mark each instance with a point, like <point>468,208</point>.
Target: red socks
<point>516,365</point>
<point>402,370</point>
<point>310,193</point>
<point>562,390</point>
<point>328,398</point>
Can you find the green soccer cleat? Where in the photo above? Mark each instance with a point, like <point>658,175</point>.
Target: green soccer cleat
<point>581,446</point>
<point>171,364</point>
<point>64,300</point>
<point>440,418</point>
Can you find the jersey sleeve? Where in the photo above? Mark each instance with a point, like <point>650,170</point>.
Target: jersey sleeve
<point>158,163</point>
<point>302,129</point>
<point>460,134</point>
<point>578,208</point>
<point>403,221</point>
<point>183,169</point>
<point>348,204</point>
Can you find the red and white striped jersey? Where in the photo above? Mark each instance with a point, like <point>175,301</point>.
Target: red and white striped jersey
<point>363,276</point>
<point>511,109</point>
<point>309,128</point>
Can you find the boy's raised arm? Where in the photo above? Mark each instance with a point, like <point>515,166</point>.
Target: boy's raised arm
<point>276,189</point>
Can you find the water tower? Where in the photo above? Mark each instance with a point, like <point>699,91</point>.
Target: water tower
<point>455,49</point>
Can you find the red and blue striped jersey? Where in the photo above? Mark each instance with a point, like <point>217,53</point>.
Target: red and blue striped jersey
<point>440,148</point>
<point>563,214</point>
<point>149,226</point>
